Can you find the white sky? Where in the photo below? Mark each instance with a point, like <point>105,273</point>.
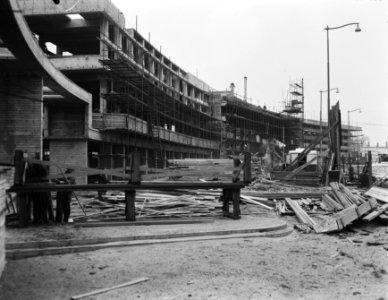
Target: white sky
<point>275,43</point>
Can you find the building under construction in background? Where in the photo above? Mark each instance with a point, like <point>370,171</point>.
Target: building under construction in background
<point>94,91</point>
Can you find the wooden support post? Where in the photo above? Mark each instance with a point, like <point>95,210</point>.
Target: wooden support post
<point>135,178</point>
<point>23,209</point>
<point>22,198</point>
<point>19,177</point>
<point>130,195</point>
<point>225,202</point>
<point>370,181</point>
<point>234,196</point>
<point>247,167</point>
<point>236,203</point>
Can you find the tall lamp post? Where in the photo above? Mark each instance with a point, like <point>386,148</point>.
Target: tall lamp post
<point>328,65</point>
<point>320,115</point>
<point>349,111</point>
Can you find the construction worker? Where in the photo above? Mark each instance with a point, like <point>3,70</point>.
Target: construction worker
<point>41,201</point>
<point>64,200</point>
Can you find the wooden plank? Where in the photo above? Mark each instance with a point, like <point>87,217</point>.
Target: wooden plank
<point>78,169</point>
<point>301,168</point>
<point>366,207</point>
<point>346,216</point>
<point>283,195</point>
<point>45,187</point>
<point>331,203</point>
<point>378,192</point>
<point>353,198</point>
<point>248,199</point>
<point>300,213</point>
<point>223,171</point>
<point>204,162</point>
<point>374,214</point>
<point>100,291</point>
<point>338,221</point>
<point>338,194</point>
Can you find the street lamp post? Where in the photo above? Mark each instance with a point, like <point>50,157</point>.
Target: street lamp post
<point>320,115</point>
<point>328,64</point>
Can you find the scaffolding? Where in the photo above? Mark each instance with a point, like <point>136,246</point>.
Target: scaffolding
<point>149,97</point>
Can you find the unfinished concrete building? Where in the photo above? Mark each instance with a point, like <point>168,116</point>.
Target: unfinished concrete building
<point>139,98</point>
<point>83,89</point>
<point>253,127</point>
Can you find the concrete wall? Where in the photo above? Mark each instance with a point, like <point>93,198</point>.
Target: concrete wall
<point>5,181</point>
<point>21,115</point>
<point>71,152</point>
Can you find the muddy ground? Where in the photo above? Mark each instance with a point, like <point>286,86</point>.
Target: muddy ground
<point>349,265</point>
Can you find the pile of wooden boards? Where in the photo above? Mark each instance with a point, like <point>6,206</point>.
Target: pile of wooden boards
<point>335,210</point>
<point>157,204</point>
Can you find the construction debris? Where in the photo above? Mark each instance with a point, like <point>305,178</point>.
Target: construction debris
<point>109,289</point>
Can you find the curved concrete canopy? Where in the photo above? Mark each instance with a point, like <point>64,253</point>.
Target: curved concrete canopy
<point>18,38</point>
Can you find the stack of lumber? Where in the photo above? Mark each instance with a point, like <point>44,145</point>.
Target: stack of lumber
<point>156,204</point>
<point>194,169</point>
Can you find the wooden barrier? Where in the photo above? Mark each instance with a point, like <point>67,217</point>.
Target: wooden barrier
<point>230,189</point>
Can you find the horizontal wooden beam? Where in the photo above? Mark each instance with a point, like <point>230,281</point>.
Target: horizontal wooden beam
<point>47,187</point>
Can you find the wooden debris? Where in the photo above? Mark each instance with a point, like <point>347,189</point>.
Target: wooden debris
<point>300,213</point>
<point>374,214</point>
<point>378,192</point>
<point>110,288</point>
<point>345,217</point>
<point>339,196</point>
<point>351,197</point>
<point>331,203</point>
<point>252,201</point>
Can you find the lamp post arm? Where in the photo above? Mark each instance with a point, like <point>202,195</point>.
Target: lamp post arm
<point>333,28</point>
<point>349,111</point>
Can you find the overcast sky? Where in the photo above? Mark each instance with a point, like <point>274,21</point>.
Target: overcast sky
<point>275,43</point>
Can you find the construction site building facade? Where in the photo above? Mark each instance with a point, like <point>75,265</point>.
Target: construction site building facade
<point>137,99</point>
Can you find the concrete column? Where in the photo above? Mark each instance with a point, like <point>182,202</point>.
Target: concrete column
<point>106,156</point>
<point>71,152</point>
<point>146,157</point>
<point>130,48</point>
<point>104,32</point>
<point>21,115</point>
<point>103,90</point>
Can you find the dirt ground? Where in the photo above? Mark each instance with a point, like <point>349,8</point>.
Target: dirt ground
<point>349,265</point>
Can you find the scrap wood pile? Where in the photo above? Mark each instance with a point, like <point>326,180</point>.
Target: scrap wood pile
<point>325,209</point>
<point>154,204</point>
<point>263,184</point>
<point>335,210</point>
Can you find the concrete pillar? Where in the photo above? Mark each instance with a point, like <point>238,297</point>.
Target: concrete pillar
<point>146,157</point>
<point>21,115</point>
<point>71,152</point>
<point>104,32</point>
<point>106,156</point>
<point>103,90</point>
